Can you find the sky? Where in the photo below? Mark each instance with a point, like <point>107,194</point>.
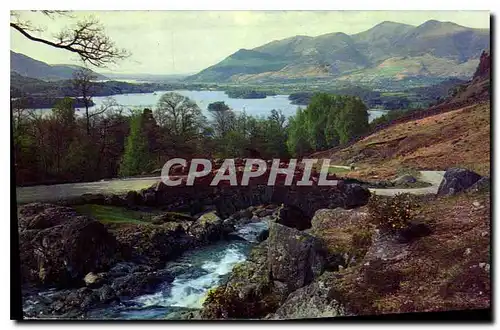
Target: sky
<point>185,42</point>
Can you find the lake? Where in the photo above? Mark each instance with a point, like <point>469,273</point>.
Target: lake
<point>254,107</point>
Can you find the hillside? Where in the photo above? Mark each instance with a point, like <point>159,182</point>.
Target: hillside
<point>456,132</point>
<point>388,50</point>
<point>456,138</point>
<point>31,68</point>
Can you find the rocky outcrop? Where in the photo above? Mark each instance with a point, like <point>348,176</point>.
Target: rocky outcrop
<point>248,293</point>
<point>484,68</point>
<point>315,300</point>
<point>328,219</point>
<point>40,216</point>
<point>347,234</point>
<point>139,283</point>
<point>293,217</point>
<point>152,244</point>
<point>294,258</point>
<point>482,185</point>
<point>209,228</point>
<point>66,249</point>
<point>286,261</point>
<point>457,180</point>
<point>123,281</point>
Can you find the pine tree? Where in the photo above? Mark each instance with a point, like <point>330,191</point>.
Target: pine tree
<point>135,158</point>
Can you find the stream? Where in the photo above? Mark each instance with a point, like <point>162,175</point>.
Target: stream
<point>196,272</point>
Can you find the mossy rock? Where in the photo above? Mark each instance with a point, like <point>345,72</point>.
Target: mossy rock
<point>249,292</point>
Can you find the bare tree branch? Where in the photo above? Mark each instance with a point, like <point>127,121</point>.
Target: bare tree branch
<point>87,39</point>
<point>52,13</point>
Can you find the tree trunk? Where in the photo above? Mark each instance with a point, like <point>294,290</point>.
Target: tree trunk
<point>88,118</point>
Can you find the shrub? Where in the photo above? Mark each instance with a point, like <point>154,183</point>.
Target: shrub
<point>361,240</point>
<point>392,214</point>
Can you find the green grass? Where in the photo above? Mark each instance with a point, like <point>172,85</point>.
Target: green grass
<point>113,214</point>
<point>120,215</point>
<point>337,170</point>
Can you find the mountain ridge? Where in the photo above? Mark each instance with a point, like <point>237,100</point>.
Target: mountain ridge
<point>29,67</point>
<point>341,54</point>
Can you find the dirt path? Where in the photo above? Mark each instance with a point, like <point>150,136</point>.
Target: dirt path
<point>432,177</point>
<point>56,192</point>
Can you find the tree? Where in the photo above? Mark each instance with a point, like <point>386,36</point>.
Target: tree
<point>352,120</point>
<point>83,83</point>
<point>224,118</point>
<point>136,156</point>
<point>178,113</point>
<point>180,120</point>
<point>327,121</point>
<point>86,38</point>
<point>152,133</point>
<point>298,141</point>
<point>64,112</point>
<point>218,106</point>
<point>275,134</point>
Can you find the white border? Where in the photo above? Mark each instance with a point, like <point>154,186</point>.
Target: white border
<point>193,5</point>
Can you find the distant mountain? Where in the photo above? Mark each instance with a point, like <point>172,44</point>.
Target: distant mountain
<point>390,50</point>
<point>29,67</point>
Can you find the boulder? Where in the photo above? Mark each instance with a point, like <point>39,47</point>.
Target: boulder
<point>457,180</point>
<point>482,185</point>
<point>263,236</point>
<point>31,209</point>
<point>293,217</point>
<point>338,218</point>
<point>69,303</point>
<point>152,244</point>
<point>312,301</point>
<point>209,228</point>
<point>249,292</point>
<point>413,231</point>
<point>27,261</point>
<point>93,280</point>
<point>64,254</point>
<point>41,216</point>
<point>294,257</point>
<point>354,195</point>
<point>139,283</point>
<point>346,234</point>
